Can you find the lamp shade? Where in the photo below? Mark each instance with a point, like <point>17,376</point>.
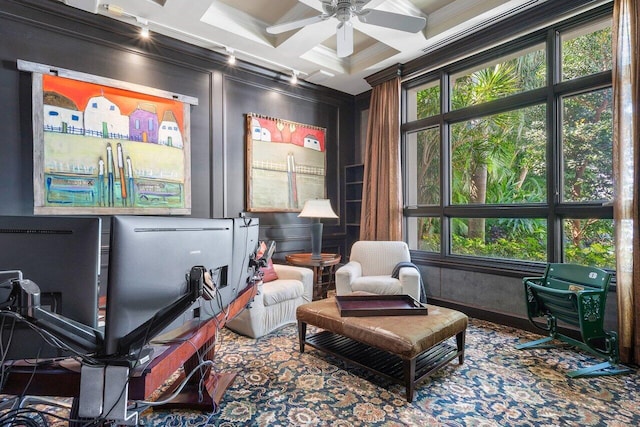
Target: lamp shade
<point>317,208</point>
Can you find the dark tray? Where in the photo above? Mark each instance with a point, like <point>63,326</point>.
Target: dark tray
<point>379,305</point>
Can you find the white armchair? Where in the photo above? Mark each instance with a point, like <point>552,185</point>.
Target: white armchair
<point>370,266</point>
<point>276,302</point>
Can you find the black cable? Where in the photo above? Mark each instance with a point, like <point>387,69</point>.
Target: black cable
<point>18,417</point>
<point>48,337</point>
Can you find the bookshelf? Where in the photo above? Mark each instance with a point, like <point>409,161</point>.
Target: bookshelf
<point>354,175</point>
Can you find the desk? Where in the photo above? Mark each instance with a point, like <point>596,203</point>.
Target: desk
<point>317,265</point>
<point>57,381</point>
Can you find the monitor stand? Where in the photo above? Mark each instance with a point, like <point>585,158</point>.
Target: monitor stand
<point>58,381</point>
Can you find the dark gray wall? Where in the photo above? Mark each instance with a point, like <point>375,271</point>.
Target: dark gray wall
<point>50,33</point>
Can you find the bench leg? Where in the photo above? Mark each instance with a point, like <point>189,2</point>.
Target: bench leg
<point>409,368</point>
<point>460,338</point>
<point>302,335</point>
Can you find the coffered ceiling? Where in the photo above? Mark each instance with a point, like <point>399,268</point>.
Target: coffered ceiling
<point>239,26</point>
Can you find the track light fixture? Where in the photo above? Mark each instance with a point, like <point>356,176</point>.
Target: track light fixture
<point>119,11</point>
<point>116,10</point>
<point>144,27</point>
<point>232,57</point>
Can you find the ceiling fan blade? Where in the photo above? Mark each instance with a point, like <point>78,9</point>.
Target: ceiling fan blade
<point>344,38</point>
<point>396,21</point>
<point>288,26</point>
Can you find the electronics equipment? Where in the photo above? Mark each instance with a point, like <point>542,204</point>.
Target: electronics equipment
<point>343,10</point>
<point>60,254</point>
<point>149,264</point>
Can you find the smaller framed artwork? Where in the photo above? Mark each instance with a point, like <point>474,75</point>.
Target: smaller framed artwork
<point>286,164</point>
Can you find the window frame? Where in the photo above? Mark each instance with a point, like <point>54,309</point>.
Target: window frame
<point>551,95</point>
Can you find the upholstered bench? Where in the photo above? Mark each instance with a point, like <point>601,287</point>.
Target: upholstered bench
<point>404,349</point>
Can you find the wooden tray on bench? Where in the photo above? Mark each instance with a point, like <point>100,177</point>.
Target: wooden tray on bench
<point>379,305</point>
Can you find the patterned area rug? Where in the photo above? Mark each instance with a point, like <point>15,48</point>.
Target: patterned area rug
<point>496,386</point>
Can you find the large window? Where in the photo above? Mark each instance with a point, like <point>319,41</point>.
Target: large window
<point>507,156</point>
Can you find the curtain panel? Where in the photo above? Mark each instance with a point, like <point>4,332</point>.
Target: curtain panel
<point>626,175</point>
<point>381,215</point>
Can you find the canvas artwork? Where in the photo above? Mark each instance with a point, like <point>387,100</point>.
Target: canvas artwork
<point>101,149</point>
<point>286,164</point>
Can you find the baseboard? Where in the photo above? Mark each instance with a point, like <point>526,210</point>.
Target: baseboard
<point>505,319</point>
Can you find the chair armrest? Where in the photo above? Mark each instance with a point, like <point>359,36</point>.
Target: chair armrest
<point>410,281</point>
<point>536,280</point>
<point>303,274</point>
<point>345,275</point>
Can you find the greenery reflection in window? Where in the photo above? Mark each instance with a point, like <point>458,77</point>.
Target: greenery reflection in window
<point>496,159</point>
<point>424,147</point>
<point>587,141</point>
<point>497,80</point>
<point>424,101</point>
<point>427,237</point>
<point>587,50</point>
<point>589,242</point>
<point>507,238</point>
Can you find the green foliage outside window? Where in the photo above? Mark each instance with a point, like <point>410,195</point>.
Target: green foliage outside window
<point>501,159</point>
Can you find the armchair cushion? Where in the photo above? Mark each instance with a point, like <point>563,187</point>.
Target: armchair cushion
<point>282,290</point>
<point>381,285</point>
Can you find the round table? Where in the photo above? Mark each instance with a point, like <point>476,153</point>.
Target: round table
<point>317,265</point>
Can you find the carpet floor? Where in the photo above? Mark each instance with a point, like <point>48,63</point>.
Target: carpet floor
<point>497,385</point>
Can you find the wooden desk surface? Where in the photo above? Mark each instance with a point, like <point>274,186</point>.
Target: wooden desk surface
<point>58,381</point>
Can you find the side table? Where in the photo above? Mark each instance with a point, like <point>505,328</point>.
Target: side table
<point>317,265</point>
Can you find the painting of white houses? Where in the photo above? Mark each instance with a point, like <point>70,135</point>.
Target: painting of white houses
<point>61,114</point>
<point>286,164</point>
<point>169,133</point>
<point>103,149</point>
<point>102,118</point>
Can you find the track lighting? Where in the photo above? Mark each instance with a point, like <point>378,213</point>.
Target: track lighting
<point>232,58</point>
<point>119,11</point>
<point>116,10</point>
<point>144,27</point>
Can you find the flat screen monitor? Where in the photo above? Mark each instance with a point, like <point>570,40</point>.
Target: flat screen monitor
<point>149,260</point>
<point>62,256</point>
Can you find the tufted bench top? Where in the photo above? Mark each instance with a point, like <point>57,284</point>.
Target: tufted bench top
<point>404,336</point>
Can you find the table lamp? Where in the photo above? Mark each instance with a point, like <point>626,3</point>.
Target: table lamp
<point>317,208</point>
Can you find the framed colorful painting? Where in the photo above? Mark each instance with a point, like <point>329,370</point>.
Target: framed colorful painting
<point>286,164</point>
<point>103,146</point>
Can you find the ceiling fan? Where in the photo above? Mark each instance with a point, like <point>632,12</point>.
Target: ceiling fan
<point>343,10</point>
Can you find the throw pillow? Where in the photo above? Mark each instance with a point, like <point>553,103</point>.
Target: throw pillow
<point>269,273</point>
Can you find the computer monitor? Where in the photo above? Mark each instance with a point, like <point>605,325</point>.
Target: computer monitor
<point>61,254</point>
<point>150,258</point>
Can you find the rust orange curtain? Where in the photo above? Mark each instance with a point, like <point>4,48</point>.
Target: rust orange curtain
<point>626,175</point>
<point>381,216</point>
